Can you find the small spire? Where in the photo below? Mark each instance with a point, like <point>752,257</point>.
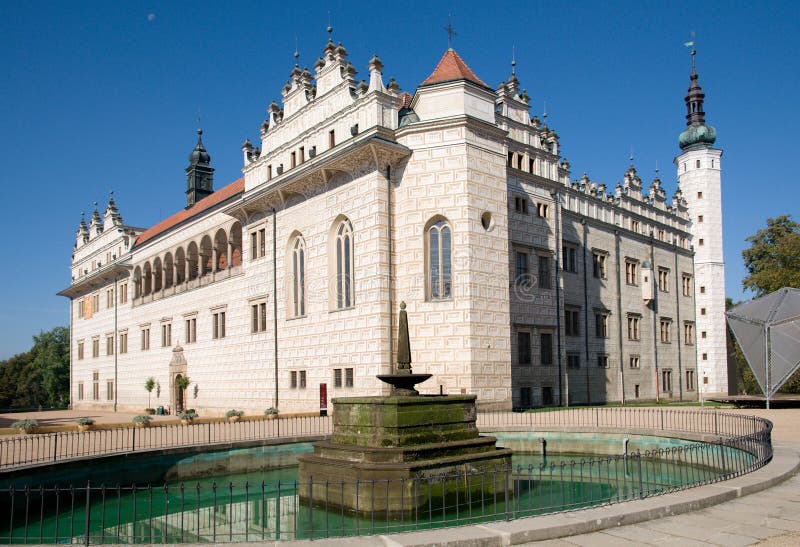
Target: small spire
<point>296,53</point>
<point>631,158</point>
<point>330,27</point>
<point>513,61</point>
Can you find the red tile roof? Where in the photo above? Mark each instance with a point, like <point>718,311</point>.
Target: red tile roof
<point>236,187</point>
<point>452,67</point>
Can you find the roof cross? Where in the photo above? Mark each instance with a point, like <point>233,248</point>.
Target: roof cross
<point>451,33</point>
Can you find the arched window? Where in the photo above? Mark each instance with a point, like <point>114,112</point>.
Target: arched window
<point>344,265</point>
<point>438,240</point>
<point>297,268</point>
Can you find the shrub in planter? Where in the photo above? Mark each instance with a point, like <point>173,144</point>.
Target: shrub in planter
<point>25,426</point>
<point>84,424</point>
<point>187,417</point>
<point>234,415</point>
<point>150,411</point>
<point>271,413</point>
<point>141,420</point>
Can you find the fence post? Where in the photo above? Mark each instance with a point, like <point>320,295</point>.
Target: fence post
<point>55,447</point>
<point>641,487</point>
<point>133,439</point>
<point>88,511</point>
<point>716,428</point>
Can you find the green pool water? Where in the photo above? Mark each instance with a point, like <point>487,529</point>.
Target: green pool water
<point>264,505</point>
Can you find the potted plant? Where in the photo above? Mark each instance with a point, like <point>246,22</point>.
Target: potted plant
<point>142,420</point>
<point>271,413</point>
<point>84,424</point>
<point>234,415</point>
<point>25,426</point>
<point>149,385</point>
<point>188,416</point>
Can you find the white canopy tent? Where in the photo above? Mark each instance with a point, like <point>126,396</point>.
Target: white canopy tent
<point>768,331</point>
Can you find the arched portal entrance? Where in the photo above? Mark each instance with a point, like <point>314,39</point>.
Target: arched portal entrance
<point>177,369</point>
<point>178,395</point>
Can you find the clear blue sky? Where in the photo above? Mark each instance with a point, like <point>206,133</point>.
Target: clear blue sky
<point>97,96</point>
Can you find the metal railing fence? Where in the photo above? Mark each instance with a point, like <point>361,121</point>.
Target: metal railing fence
<point>227,512</point>
<point>19,451</point>
<point>207,511</point>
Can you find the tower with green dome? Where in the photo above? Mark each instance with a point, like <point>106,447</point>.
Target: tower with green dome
<point>700,179</point>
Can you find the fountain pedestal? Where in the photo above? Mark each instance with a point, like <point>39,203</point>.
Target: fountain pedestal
<point>404,452</point>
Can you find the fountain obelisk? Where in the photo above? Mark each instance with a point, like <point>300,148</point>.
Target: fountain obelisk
<point>395,442</point>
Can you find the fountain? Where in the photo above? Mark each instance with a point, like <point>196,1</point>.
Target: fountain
<point>393,455</point>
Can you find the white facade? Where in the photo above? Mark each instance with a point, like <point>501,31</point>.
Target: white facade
<point>287,283</point>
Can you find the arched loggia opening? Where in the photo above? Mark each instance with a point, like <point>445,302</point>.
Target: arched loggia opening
<point>221,248</point>
<point>235,238</point>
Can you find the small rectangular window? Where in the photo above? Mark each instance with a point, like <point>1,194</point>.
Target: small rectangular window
<point>218,325</point>
<point>123,293</point>
<point>146,338</point>
<point>688,333</point>
<point>547,395</point>
<point>663,280</point>
<point>521,204</point>
<point>544,272</point>
<point>110,345</point>
<point>80,351</point>
<point>633,327</point>
<point>96,347</point>
<point>699,195</point>
<point>690,380</point>
<point>262,242</point>
<point>80,391</point>
<point>541,210</point>
<point>599,265</point>
<point>331,138</point>
<point>631,272</point>
<point>191,330</point>
<point>634,361</point>
<point>702,289</point>
<point>302,379</point>
<point>699,218</point>
<point>602,361</point>
<point>666,330</point>
<point>573,360</point>
<point>569,260</point>
<point>253,245</point>
<point>601,325</point>
<point>572,323</point>
<point>546,348</point>
<point>294,159</point>
<point>95,386</point>
<point>524,348</point>
<point>110,390</point>
<point>123,342</point>
<point>337,377</point>
<point>166,335</point>
<point>302,154</point>
<point>348,377</point>
<point>522,266</point>
<point>686,284</point>
<point>293,379</point>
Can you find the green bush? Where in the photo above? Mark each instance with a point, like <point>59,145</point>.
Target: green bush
<point>25,425</point>
<point>141,419</point>
<point>84,421</point>
<point>233,412</point>
<point>271,411</point>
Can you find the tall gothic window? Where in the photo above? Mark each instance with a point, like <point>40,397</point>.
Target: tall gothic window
<point>297,282</point>
<point>438,237</point>
<point>344,265</point>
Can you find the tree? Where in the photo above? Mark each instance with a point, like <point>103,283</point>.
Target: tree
<point>39,377</point>
<point>51,361</point>
<point>773,259</point>
<point>149,384</point>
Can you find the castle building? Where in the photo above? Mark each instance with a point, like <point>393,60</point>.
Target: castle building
<point>522,286</point>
